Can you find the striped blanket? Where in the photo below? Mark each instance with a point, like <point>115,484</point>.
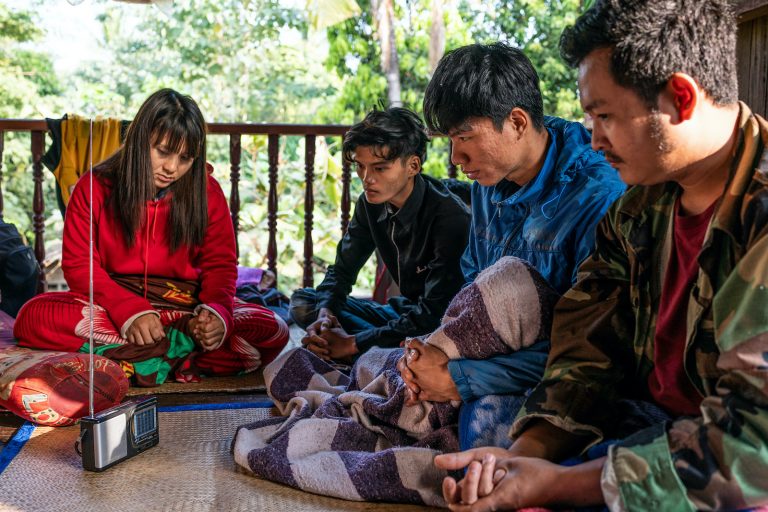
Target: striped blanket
<point>353,437</point>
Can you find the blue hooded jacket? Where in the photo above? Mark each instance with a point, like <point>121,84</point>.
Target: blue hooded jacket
<point>549,222</point>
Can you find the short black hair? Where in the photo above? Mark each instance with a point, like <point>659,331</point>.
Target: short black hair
<point>393,133</point>
<point>482,80</point>
<point>652,39</point>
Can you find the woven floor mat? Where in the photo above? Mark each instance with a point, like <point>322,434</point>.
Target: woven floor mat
<point>253,381</point>
<point>6,433</point>
<point>190,470</point>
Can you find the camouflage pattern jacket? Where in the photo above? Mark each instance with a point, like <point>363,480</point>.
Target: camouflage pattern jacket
<point>603,340</point>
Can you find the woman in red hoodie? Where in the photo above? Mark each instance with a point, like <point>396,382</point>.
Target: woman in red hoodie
<point>164,261</point>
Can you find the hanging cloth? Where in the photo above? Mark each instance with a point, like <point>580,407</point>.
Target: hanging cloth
<point>74,159</point>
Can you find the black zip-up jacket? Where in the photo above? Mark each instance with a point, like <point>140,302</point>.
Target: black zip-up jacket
<point>421,244</point>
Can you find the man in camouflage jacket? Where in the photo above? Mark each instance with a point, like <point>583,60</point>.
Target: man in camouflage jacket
<point>661,89</point>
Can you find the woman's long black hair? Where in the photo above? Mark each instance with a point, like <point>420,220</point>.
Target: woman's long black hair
<point>175,119</point>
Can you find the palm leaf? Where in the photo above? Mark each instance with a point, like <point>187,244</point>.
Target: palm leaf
<point>325,13</point>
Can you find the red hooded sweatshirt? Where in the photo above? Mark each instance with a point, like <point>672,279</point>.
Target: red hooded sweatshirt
<point>213,265</point>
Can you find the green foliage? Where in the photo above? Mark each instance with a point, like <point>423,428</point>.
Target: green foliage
<point>28,88</point>
<point>532,25</point>
<point>229,55</point>
<point>356,61</point>
<point>356,58</point>
<point>17,26</point>
<point>535,26</point>
<point>25,76</point>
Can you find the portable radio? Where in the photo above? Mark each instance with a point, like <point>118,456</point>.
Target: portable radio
<point>118,433</point>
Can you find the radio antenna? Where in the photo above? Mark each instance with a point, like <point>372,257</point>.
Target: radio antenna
<point>90,267</point>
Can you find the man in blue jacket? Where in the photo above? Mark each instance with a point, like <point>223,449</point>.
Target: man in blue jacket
<point>539,191</point>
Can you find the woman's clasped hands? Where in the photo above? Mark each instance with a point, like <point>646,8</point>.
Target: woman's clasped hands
<point>207,329</point>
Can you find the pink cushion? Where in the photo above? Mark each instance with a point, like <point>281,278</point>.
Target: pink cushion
<point>51,388</point>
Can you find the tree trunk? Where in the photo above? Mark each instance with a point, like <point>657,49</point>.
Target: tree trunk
<point>436,35</point>
<point>384,17</point>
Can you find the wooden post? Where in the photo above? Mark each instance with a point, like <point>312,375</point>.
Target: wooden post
<point>234,191</point>
<point>309,205</point>
<point>2,148</point>
<point>38,203</point>
<point>273,148</point>
<point>346,203</point>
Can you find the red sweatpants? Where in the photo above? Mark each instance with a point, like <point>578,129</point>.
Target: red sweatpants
<point>60,321</point>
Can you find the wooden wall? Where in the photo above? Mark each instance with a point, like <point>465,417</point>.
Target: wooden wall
<point>752,54</point>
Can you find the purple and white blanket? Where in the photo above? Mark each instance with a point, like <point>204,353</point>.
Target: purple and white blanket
<point>354,437</point>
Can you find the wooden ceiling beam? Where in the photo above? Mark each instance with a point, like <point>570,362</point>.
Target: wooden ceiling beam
<point>747,10</point>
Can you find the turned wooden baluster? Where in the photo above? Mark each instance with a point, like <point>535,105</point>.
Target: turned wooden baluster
<point>38,203</point>
<point>309,205</point>
<point>273,148</point>
<point>345,199</point>
<point>234,191</point>
<point>2,148</point>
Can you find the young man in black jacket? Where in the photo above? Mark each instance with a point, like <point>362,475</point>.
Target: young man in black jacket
<point>419,229</point>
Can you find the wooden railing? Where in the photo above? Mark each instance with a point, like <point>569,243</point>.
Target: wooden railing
<point>235,131</point>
